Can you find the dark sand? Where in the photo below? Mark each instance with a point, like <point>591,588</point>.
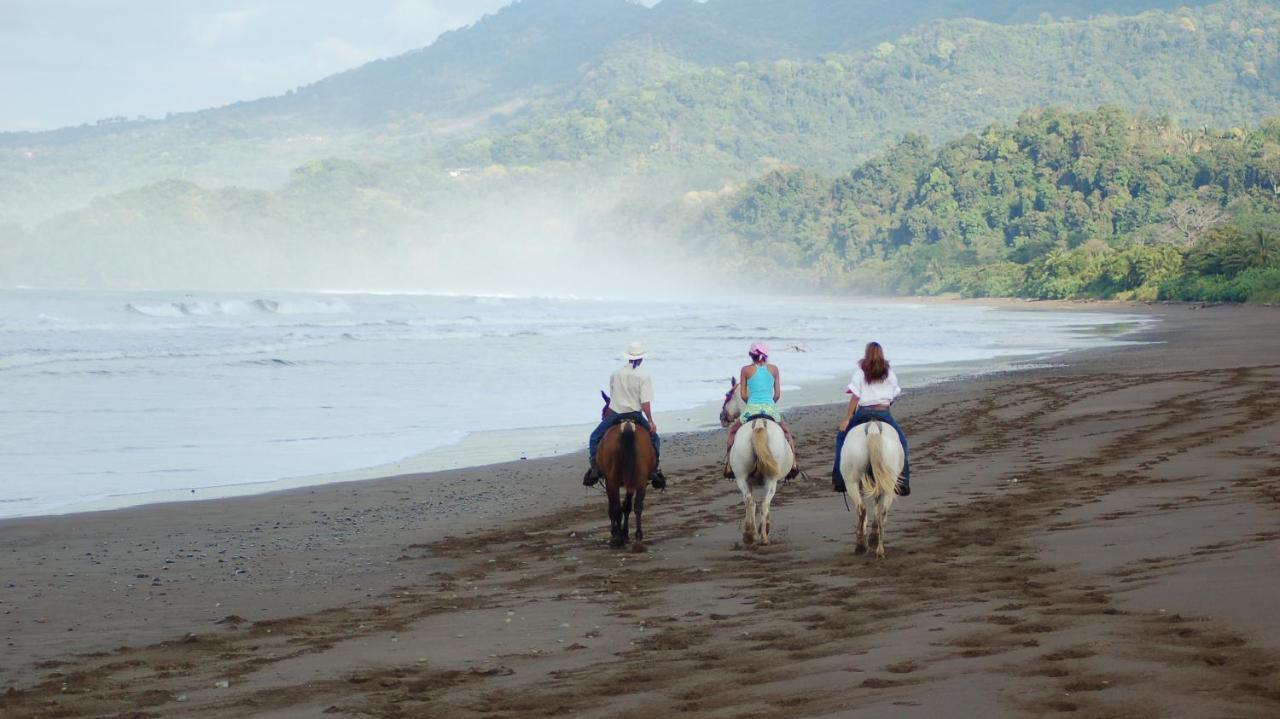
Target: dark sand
<point>1098,539</point>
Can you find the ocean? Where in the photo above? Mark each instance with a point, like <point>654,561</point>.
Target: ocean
<point>111,399</point>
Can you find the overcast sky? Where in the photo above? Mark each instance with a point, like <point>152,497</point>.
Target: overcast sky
<point>65,62</point>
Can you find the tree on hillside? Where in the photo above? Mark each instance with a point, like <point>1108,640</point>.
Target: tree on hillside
<point>1190,219</point>
<point>1061,204</point>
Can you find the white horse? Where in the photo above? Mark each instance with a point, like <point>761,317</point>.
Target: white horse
<point>760,457</point>
<point>870,463</point>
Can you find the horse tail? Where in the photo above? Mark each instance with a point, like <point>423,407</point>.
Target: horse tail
<point>627,456</point>
<point>765,462</point>
<point>883,477</point>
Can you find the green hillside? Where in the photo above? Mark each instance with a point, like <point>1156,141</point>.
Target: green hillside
<point>528,61</point>
<point>649,141</point>
<point>1058,205</point>
<point>1218,65</point>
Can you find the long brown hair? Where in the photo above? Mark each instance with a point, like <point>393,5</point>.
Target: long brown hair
<point>874,366</point>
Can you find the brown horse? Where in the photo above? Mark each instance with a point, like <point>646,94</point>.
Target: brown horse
<point>626,459</point>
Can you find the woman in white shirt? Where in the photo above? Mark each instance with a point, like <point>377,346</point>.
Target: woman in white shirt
<point>873,389</point>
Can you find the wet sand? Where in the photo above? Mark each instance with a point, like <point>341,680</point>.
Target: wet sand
<point>1096,539</point>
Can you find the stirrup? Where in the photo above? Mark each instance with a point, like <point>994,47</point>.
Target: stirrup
<point>591,477</point>
<point>658,479</point>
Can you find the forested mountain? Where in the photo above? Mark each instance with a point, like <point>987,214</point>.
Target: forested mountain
<point>1058,205</point>
<point>543,44</point>
<point>525,62</point>
<point>501,144</point>
<point>1219,65</point>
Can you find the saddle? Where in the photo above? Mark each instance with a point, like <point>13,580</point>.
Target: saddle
<point>755,475</point>
<point>633,417</point>
<point>866,426</point>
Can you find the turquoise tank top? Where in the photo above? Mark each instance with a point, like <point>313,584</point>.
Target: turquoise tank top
<point>760,386</point>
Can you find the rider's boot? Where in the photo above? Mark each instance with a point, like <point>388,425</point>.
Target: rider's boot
<point>728,468</point>
<point>837,478</point>
<point>658,479</point>
<point>592,476</point>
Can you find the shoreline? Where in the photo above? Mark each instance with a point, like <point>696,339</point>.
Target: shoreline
<point>1070,524</point>
<point>486,448</point>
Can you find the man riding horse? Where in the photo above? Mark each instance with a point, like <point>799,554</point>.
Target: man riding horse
<point>630,398</point>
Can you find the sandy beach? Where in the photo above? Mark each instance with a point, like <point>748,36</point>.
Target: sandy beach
<point>1097,538</point>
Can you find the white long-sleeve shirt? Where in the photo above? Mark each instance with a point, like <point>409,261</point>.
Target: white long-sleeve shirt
<point>869,393</point>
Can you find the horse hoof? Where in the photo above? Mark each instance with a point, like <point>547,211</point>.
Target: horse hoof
<point>860,549</point>
<point>638,548</point>
<point>748,538</point>
<point>879,554</point>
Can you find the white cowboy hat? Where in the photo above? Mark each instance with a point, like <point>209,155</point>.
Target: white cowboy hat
<point>635,351</point>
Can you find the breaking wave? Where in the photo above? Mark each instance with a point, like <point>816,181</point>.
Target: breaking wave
<point>239,308</point>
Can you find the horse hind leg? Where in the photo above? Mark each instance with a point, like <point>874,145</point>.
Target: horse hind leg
<point>860,531</point>
<point>882,516</point>
<point>859,516</point>
<point>639,506</point>
<point>626,519</point>
<point>749,520</point>
<point>615,517</point>
<point>771,488</point>
<point>873,525</point>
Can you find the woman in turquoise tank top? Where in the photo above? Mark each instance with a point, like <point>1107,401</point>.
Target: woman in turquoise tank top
<point>761,388</point>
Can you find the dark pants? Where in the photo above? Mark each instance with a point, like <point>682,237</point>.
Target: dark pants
<point>862,416</point>
<point>598,433</point>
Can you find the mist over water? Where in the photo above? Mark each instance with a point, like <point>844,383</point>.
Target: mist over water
<point>549,242</point>
<point>127,397</point>
<point>475,235</point>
